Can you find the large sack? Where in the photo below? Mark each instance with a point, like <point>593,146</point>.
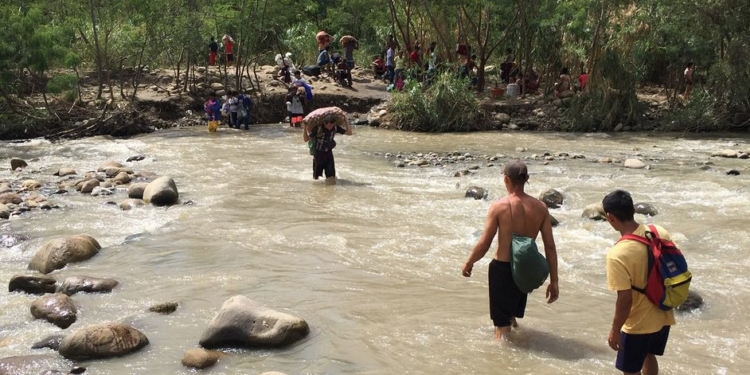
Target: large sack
<point>57,253</point>
<point>57,309</point>
<point>242,322</point>
<point>102,340</point>
<point>75,284</point>
<point>161,192</point>
<point>321,115</point>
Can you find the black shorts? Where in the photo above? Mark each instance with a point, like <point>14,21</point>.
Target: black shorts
<point>230,57</point>
<point>506,300</point>
<point>323,162</point>
<point>634,349</point>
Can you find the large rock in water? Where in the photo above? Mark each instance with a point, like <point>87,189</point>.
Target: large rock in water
<point>242,322</point>
<point>694,301</point>
<point>161,192</point>
<point>4,211</point>
<point>135,191</point>
<point>10,198</point>
<point>75,284</point>
<point>200,358</point>
<point>58,252</point>
<point>32,284</point>
<point>57,309</point>
<point>476,192</point>
<point>16,163</point>
<point>103,340</point>
<point>552,198</point>
<point>634,164</point>
<point>594,211</point>
<point>645,209</point>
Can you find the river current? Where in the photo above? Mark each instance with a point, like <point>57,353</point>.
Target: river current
<point>373,264</point>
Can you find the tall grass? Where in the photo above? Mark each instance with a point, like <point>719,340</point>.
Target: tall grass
<point>448,105</point>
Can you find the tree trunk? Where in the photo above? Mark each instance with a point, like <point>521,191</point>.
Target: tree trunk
<point>98,53</point>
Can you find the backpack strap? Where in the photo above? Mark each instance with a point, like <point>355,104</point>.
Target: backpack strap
<point>650,253</point>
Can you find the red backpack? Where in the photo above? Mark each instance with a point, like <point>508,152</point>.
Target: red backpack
<point>668,278</point>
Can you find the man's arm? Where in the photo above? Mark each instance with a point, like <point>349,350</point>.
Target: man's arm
<point>550,252</point>
<point>305,134</point>
<point>348,128</point>
<point>485,240</point>
<point>622,310</point>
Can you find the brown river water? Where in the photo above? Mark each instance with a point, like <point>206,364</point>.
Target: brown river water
<point>373,264</point>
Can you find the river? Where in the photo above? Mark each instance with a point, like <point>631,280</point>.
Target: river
<point>373,264</point>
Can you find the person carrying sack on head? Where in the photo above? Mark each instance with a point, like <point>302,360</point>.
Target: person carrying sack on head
<point>323,144</point>
<point>517,267</point>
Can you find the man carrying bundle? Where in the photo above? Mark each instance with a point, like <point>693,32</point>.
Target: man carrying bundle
<point>322,143</point>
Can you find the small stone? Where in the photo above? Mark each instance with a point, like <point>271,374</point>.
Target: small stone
<point>733,172</point>
<point>164,308</point>
<point>200,358</point>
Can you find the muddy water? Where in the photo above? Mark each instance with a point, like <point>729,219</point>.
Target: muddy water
<point>373,264</point>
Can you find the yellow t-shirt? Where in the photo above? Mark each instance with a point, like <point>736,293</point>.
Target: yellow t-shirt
<point>627,265</point>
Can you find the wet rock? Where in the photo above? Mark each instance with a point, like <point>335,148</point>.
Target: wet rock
<point>164,308</point>
<point>109,164</point>
<point>10,198</point>
<point>634,164</point>
<point>399,164</point>
<point>605,160</point>
<point>733,172</point>
<point>161,192</point>
<point>52,342</point>
<point>114,171</point>
<point>594,211</point>
<point>16,163</point>
<point>553,221</point>
<point>57,309</point>
<point>32,284</point>
<point>122,178</point>
<point>65,172</point>
<point>726,153</point>
<point>502,118</point>
<point>101,191</point>
<point>31,184</point>
<point>461,173</point>
<point>136,158</point>
<point>521,149</point>
<point>58,252</point>
<point>200,358</point>
<point>646,209</point>
<point>130,204</point>
<point>5,188</point>
<point>103,340</point>
<point>552,198</point>
<point>4,211</point>
<point>135,190</point>
<point>88,186</point>
<point>242,322</point>
<point>10,240</point>
<point>86,284</point>
<point>476,192</point>
<point>694,301</point>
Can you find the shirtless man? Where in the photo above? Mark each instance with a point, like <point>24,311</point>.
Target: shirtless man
<point>507,302</point>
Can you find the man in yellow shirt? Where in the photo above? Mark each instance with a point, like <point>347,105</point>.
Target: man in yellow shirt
<point>640,329</point>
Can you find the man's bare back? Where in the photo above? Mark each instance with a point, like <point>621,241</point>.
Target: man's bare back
<point>523,215</point>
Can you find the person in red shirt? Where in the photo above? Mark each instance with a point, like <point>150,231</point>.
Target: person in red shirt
<point>582,80</point>
<point>415,58</point>
<point>228,47</point>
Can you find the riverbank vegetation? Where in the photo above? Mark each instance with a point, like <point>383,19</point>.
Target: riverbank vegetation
<point>50,48</point>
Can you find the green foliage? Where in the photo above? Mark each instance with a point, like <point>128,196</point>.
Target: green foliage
<point>449,105</point>
<point>62,82</point>
<point>700,113</point>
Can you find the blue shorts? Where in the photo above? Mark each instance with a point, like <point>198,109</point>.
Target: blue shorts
<point>634,349</point>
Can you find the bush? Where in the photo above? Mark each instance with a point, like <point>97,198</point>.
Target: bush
<point>62,82</point>
<point>448,105</point>
<point>700,113</point>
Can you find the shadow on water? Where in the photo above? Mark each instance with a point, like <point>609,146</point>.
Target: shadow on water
<point>564,348</point>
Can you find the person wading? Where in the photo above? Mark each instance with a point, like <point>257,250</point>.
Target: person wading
<point>323,147</point>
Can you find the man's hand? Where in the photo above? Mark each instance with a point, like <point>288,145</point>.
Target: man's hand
<point>467,269</point>
<point>552,292</point>
<point>614,340</point>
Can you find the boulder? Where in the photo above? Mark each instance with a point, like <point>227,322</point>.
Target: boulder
<point>242,322</point>
<point>161,192</point>
<point>502,118</point>
<point>136,158</point>
<point>102,340</point>
<point>476,192</point>
<point>5,188</point>
<point>694,301</point>
<point>57,309</point>
<point>646,209</point>
<point>552,198</point>
<point>32,284</point>
<point>31,184</point>
<point>200,358</point>
<point>130,204</point>
<point>57,253</point>
<point>10,198</point>
<point>86,284</point>
<point>4,211</point>
<point>114,171</point>
<point>136,190</point>
<point>733,172</point>
<point>726,153</point>
<point>65,172</point>
<point>634,164</point>
<point>101,191</point>
<point>16,163</point>
<point>109,164</point>
<point>52,342</point>
<point>164,308</point>
<point>553,221</point>
<point>88,186</point>
<point>594,211</point>
<point>121,178</point>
